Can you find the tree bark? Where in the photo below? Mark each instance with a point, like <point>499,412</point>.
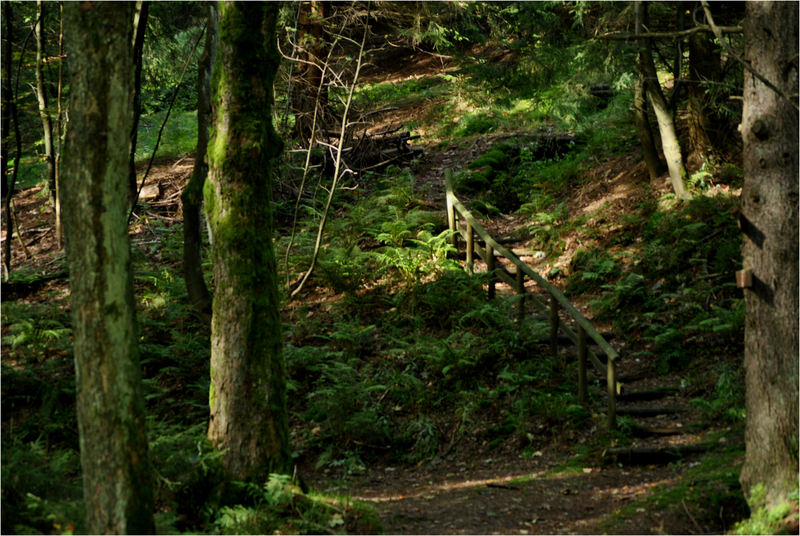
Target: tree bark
<point>59,124</point>
<point>654,165</point>
<point>704,67</point>
<point>5,81</point>
<point>41,97</point>
<point>139,29</point>
<point>116,472</point>
<point>192,196</point>
<point>248,391</point>
<point>770,251</point>
<point>666,123</point>
<point>12,109</point>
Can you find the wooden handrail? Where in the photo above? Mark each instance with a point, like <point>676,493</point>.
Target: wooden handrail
<point>491,246</point>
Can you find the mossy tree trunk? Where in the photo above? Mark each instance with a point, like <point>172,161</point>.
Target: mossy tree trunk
<point>666,123</point>
<point>192,196</point>
<point>248,392</point>
<point>110,405</point>
<point>770,251</point>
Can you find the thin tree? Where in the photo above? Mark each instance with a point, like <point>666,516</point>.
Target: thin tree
<point>654,165</point>
<point>139,29</point>
<point>41,98</point>
<point>192,195</point>
<point>770,252</point>
<point>110,405</point>
<point>60,123</point>
<point>248,419</point>
<point>666,123</point>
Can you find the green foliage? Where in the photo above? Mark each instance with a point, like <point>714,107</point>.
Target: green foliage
<point>727,402</point>
<point>767,520</point>
<point>278,506</point>
<point>399,93</point>
<point>179,137</point>
<point>41,488</point>
<point>680,288</point>
<point>172,32</point>
<point>591,269</point>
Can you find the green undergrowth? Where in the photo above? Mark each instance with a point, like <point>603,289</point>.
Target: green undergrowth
<point>179,137</point>
<point>411,347</point>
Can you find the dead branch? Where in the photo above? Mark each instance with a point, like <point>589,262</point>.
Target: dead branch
<point>729,49</point>
<point>337,167</point>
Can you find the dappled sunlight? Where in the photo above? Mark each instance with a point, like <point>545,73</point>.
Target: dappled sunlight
<point>445,487</point>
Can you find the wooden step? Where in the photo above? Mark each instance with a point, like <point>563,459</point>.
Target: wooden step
<point>654,394</point>
<point>649,412</point>
<point>648,455</point>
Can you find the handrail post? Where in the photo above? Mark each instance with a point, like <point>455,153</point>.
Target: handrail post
<point>520,288</point>
<point>553,327</point>
<point>470,248</point>
<point>612,394</point>
<point>582,398</point>
<point>451,221</point>
<point>490,268</point>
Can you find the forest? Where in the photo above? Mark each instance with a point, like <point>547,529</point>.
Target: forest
<point>399,267</point>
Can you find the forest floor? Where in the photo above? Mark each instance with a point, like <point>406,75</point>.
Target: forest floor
<point>568,484</point>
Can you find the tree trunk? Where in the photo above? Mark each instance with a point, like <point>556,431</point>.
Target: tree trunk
<point>139,29</point>
<point>654,165</point>
<point>12,109</point>
<point>116,473</point>
<point>5,81</point>
<point>770,251</point>
<point>44,114</point>
<point>248,392</point>
<point>192,196</point>
<point>59,124</point>
<point>666,123</point>
<point>704,67</point>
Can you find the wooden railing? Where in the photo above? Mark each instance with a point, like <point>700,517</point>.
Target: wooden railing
<point>490,248</point>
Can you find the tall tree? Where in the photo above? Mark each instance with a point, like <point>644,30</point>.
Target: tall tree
<point>116,472</point>
<point>248,392</point>
<point>5,82</point>
<point>770,250</point>
<point>654,165</point>
<point>705,68</point>
<point>666,123</point>
<point>41,97</point>
<point>192,195</point>
<point>141,12</point>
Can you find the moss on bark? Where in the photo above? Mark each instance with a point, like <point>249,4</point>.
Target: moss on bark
<point>248,396</point>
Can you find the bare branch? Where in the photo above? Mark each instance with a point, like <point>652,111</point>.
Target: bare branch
<point>337,166</point>
<point>738,58</point>
<point>671,35</point>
